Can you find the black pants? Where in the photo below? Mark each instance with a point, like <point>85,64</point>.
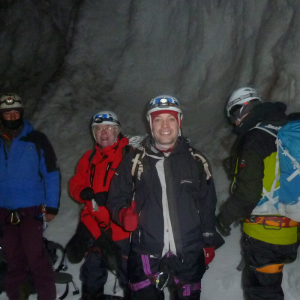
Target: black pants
<point>23,249</point>
<point>93,273</point>
<point>185,283</point>
<point>264,286</point>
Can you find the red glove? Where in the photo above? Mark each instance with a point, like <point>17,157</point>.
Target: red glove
<point>209,254</point>
<point>129,218</point>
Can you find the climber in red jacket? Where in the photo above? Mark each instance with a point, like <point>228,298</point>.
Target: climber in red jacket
<point>90,186</point>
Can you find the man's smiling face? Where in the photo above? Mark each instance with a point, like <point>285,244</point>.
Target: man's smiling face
<point>165,129</point>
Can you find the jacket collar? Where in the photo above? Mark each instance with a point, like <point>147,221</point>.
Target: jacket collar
<point>121,142</point>
<point>180,145</point>
<point>265,113</point>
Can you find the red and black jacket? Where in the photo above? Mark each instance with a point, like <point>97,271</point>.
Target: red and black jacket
<point>96,171</point>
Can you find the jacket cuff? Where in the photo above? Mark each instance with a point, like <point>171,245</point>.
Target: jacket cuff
<point>208,240</point>
<point>121,214</point>
<point>51,210</point>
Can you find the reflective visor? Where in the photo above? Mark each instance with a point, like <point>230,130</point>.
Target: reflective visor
<point>235,113</point>
<point>99,119</point>
<point>163,102</point>
<point>238,111</point>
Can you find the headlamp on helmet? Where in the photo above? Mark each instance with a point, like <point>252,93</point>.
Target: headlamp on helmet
<point>164,102</point>
<point>10,101</point>
<point>105,117</point>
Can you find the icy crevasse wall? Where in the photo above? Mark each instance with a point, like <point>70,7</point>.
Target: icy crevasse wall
<point>34,38</point>
<point>71,59</point>
<point>125,52</point>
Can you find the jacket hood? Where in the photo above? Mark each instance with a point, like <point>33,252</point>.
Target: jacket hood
<point>266,113</point>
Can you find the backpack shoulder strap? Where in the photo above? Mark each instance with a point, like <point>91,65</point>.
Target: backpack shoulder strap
<point>273,130</point>
<point>201,160</point>
<point>137,164</point>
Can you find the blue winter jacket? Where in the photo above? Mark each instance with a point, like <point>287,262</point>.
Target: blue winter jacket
<point>29,175</point>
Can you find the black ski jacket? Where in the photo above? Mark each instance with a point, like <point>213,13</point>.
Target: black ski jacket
<point>191,200</point>
<point>251,148</point>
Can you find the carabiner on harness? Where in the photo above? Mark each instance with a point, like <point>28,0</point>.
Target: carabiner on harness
<point>162,280</point>
<point>15,218</point>
<point>40,211</point>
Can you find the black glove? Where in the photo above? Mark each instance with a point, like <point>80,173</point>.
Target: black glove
<point>222,227</point>
<point>101,198</point>
<point>87,194</point>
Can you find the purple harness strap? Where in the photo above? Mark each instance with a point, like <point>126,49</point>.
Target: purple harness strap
<point>139,285</point>
<point>147,270</point>
<point>146,264</point>
<point>188,287</point>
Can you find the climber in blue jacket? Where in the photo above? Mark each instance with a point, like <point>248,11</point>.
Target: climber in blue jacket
<point>29,193</point>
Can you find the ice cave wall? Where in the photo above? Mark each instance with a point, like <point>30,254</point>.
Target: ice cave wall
<point>69,59</point>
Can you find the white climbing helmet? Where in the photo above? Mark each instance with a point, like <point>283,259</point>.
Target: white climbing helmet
<point>105,117</point>
<point>241,97</point>
<point>164,102</point>
<point>10,101</point>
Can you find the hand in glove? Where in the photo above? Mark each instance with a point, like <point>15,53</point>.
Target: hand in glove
<point>209,254</point>
<point>222,227</point>
<point>101,198</point>
<point>87,194</point>
<point>129,218</point>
